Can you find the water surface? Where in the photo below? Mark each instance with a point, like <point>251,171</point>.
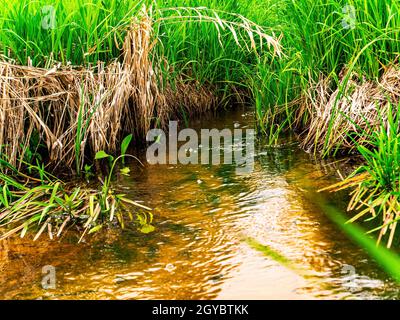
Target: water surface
<point>202,215</point>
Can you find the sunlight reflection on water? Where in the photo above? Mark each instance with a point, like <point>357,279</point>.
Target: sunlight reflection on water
<point>198,250</point>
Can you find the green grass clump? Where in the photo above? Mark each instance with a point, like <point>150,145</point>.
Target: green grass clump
<point>320,38</point>
<point>79,32</point>
<point>376,183</point>
<point>192,55</point>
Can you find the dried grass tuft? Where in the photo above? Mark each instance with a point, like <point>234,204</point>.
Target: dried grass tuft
<point>357,109</point>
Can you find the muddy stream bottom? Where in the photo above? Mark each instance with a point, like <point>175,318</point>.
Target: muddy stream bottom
<point>202,215</point>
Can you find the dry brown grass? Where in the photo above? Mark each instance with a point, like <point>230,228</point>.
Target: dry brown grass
<point>354,111</point>
<point>95,106</point>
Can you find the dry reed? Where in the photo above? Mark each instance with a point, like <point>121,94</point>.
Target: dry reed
<point>334,114</point>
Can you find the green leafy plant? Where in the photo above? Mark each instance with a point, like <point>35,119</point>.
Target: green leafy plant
<point>107,196</point>
<point>376,183</point>
<point>124,146</point>
<point>46,204</point>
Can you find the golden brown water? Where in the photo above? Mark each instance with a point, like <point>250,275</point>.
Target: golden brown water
<point>202,216</point>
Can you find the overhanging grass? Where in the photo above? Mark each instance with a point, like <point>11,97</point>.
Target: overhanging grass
<point>316,43</point>
<point>388,260</point>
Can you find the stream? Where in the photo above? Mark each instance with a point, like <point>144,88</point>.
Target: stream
<point>203,215</point>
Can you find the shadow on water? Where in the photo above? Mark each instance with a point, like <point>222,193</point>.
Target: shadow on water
<point>203,214</point>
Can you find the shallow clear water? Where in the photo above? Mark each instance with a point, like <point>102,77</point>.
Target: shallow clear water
<point>202,216</point>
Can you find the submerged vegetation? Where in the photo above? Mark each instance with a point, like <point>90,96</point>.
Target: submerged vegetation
<point>78,76</point>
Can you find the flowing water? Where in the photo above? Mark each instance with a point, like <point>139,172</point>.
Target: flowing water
<point>203,216</point>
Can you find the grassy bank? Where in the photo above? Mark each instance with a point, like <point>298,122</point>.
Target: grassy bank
<point>339,57</point>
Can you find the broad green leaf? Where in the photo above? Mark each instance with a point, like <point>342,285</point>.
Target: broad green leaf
<point>95,229</point>
<point>125,144</point>
<point>101,155</point>
<point>125,171</point>
<point>148,228</point>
